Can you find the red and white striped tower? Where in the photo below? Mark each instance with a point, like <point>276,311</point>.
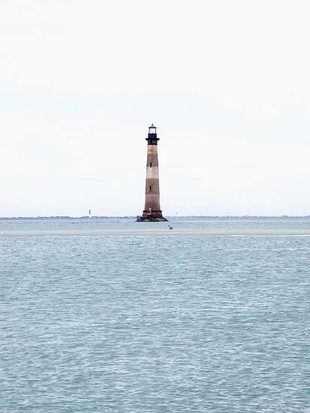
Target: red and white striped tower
<point>152,211</point>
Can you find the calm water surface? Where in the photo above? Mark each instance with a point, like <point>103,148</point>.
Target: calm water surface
<point>154,323</point>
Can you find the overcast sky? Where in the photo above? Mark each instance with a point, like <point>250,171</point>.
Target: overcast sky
<point>226,82</point>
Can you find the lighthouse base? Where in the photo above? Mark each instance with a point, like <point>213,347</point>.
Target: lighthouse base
<point>154,216</point>
<point>151,219</point>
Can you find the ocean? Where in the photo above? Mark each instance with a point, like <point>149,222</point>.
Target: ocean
<point>110,315</point>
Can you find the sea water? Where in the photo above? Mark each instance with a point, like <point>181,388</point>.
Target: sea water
<point>114,317</point>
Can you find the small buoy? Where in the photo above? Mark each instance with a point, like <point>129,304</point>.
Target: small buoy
<point>170,227</point>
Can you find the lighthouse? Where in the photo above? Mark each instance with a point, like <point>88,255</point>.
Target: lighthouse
<point>152,211</point>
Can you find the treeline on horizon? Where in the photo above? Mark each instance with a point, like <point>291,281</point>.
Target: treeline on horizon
<point>172,217</point>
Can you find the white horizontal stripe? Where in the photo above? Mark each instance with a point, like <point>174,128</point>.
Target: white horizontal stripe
<point>152,172</point>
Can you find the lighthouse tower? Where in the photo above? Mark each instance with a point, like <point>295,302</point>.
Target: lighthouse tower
<point>152,211</point>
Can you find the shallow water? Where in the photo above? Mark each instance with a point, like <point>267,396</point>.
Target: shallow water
<point>154,323</point>
<point>128,227</point>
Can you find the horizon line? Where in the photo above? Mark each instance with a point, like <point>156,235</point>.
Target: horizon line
<point>135,216</point>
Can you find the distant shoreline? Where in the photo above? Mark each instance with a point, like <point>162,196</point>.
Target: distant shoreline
<point>172,217</point>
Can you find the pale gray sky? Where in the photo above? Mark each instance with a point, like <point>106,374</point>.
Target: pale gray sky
<point>226,82</point>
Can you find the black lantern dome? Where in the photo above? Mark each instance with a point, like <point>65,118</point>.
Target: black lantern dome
<point>152,135</point>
